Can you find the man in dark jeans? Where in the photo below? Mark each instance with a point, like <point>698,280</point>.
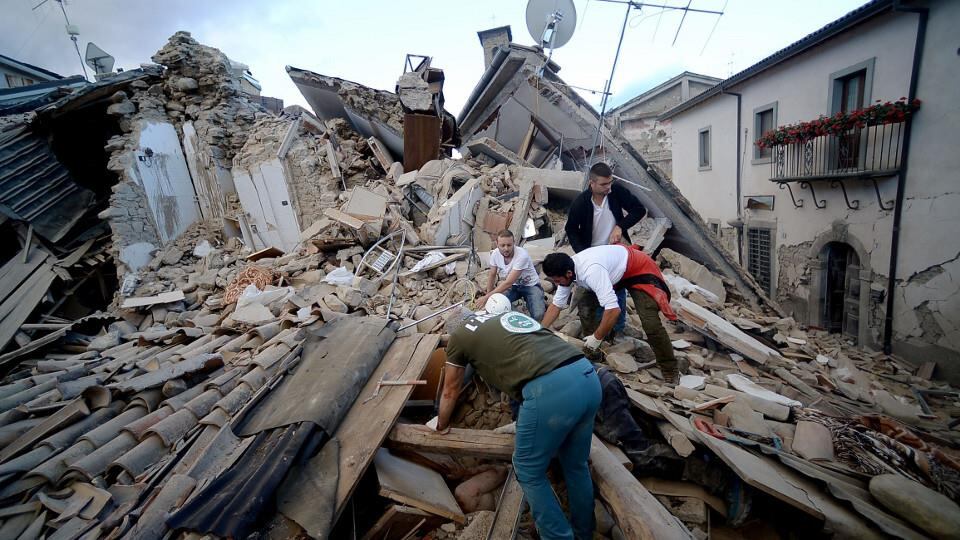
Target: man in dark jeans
<point>601,215</point>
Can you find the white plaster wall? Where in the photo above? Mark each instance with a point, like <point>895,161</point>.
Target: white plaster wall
<point>265,198</point>
<point>211,181</point>
<point>165,179</point>
<point>928,268</point>
<point>712,192</point>
<point>929,260</point>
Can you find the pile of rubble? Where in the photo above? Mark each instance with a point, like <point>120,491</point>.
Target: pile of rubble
<point>125,424</point>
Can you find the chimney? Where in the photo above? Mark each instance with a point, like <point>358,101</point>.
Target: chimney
<point>491,40</point>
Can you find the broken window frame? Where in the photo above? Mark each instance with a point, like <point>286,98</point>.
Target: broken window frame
<point>761,202</point>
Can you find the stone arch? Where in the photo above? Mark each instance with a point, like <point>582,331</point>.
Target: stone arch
<point>839,233</point>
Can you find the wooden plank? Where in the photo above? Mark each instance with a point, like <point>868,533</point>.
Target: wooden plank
<point>673,488</point>
<point>268,252</point>
<point>713,403</point>
<point>162,298</point>
<point>415,485</point>
<point>14,273</point>
<point>19,305</point>
<point>509,509</point>
<point>442,262</point>
<point>399,521</point>
<point>925,371</point>
<point>77,254</point>
<point>460,442</point>
<point>27,244</point>
<point>522,208</point>
<point>333,161</point>
<point>527,141</point>
<point>637,512</point>
<point>723,331</point>
<point>366,424</point>
<point>341,217</point>
<point>381,153</point>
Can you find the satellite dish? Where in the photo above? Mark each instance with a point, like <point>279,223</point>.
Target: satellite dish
<point>98,59</point>
<point>551,22</point>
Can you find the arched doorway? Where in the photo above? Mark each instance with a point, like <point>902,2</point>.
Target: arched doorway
<point>840,292</point>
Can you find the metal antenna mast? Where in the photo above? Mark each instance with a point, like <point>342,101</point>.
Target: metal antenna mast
<point>72,31</point>
<point>630,5</point>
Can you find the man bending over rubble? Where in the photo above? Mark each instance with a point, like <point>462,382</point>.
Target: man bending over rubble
<point>603,270</point>
<point>561,394</point>
<point>512,264</point>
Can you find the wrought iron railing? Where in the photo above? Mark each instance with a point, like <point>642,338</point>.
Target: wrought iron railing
<point>869,151</point>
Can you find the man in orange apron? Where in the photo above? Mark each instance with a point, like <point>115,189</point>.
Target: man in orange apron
<point>603,270</point>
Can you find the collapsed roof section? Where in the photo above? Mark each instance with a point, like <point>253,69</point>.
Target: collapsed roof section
<point>372,113</point>
<point>542,119</point>
<point>417,113</point>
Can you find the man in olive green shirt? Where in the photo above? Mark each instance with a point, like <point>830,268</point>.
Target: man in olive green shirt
<point>561,394</point>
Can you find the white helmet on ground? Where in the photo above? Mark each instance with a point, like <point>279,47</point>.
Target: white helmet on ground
<point>497,304</point>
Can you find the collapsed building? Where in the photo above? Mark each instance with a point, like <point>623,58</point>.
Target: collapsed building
<point>280,279</point>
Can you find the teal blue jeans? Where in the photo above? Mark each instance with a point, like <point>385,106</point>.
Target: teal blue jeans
<point>556,420</point>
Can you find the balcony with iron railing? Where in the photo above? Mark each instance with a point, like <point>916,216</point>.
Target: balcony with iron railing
<point>862,145</point>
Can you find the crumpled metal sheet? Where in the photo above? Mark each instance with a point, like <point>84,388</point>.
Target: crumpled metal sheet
<point>337,360</point>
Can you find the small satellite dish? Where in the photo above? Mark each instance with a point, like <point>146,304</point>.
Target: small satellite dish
<point>551,22</point>
<point>98,59</point>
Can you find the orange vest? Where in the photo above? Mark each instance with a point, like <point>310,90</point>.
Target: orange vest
<point>639,263</point>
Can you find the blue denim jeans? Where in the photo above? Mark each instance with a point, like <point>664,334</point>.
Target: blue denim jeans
<point>622,319</point>
<point>532,295</point>
<point>556,420</point>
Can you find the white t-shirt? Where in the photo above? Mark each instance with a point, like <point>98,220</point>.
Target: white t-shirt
<point>603,223</point>
<point>521,261</point>
<point>598,269</point>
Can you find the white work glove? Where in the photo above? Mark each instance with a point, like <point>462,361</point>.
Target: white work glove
<point>591,342</point>
<point>432,424</point>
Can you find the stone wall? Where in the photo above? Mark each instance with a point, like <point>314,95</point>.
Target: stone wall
<point>197,86</point>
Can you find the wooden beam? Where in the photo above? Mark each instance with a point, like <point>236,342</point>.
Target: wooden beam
<point>334,164</point>
<point>522,208</point>
<point>26,244</point>
<point>461,442</point>
<point>398,521</point>
<point>527,141</point>
<point>366,424</point>
<point>509,509</point>
<point>637,512</point>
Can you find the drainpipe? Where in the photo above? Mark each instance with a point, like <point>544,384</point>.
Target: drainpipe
<point>739,172</point>
<point>922,14</point>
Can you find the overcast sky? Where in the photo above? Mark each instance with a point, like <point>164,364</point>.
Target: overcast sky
<point>366,41</point>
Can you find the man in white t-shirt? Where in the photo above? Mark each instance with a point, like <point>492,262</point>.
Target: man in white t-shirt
<point>518,277</point>
<point>603,270</point>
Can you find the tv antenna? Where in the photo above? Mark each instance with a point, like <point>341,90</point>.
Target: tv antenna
<point>631,4</point>
<point>99,60</point>
<point>551,24</point>
<point>72,31</point>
